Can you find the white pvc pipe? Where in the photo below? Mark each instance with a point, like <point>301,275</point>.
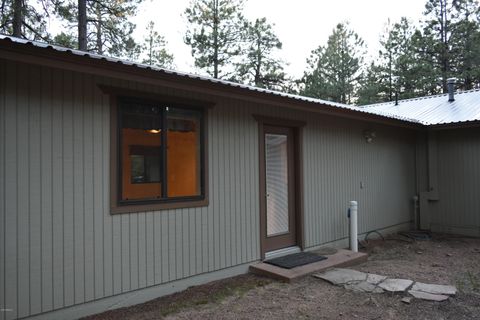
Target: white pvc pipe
<point>353,226</point>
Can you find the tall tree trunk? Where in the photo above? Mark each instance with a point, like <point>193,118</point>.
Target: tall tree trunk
<point>150,51</point>
<point>215,39</point>
<point>99,30</point>
<point>259,61</point>
<point>82,25</point>
<point>17,18</point>
<point>444,36</point>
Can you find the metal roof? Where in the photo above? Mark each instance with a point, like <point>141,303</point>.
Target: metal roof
<point>427,111</point>
<point>435,110</point>
<point>320,102</point>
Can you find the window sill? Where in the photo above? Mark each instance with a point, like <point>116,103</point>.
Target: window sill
<point>158,206</point>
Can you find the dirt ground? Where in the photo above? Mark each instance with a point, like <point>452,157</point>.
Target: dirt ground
<point>441,260</point>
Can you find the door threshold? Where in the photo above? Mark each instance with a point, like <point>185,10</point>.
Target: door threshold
<point>282,252</point>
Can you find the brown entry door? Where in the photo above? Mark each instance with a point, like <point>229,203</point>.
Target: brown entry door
<point>278,212</point>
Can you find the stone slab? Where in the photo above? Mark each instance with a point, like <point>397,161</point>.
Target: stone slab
<point>375,278</point>
<point>428,296</point>
<point>363,286</point>
<point>407,300</point>
<point>395,285</point>
<point>435,288</point>
<point>340,276</point>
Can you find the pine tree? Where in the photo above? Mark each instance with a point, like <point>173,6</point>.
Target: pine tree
<point>452,28</point>
<point>336,69</point>
<point>371,89</point>
<point>215,33</point>
<point>107,30</point>
<point>259,67</point>
<point>154,49</point>
<point>465,44</point>
<point>404,66</point>
<point>23,20</point>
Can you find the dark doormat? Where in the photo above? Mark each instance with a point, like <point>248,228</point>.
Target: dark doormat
<point>295,260</point>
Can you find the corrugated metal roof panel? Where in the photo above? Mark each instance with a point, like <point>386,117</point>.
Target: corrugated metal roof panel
<point>435,110</point>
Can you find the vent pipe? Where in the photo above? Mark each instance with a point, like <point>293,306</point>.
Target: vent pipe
<point>451,89</point>
<point>352,215</point>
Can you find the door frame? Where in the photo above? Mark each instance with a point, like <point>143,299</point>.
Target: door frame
<point>297,129</point>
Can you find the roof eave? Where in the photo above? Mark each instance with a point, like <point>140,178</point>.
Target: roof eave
<point>50,57</point>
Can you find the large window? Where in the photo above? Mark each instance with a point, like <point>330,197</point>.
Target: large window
<point>160,151</point>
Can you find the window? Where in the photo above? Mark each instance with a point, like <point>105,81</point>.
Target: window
<point>159,156</point>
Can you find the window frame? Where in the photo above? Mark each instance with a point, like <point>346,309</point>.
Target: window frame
<point>117,205</point>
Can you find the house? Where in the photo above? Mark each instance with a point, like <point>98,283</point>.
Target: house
<point>448,158</point>
<point>123,182</point>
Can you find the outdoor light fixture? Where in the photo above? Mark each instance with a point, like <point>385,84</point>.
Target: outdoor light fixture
<point>369,135</point>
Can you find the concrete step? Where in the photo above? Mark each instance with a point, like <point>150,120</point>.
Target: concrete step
<point>342,258</point>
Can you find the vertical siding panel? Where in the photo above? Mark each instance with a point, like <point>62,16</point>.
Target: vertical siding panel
<point>68,191</point>
<point>195,240</point>
<point>133,236</point>
<point>238,185</point>
<point>142,247</point>
<point>214,231</point>
<point>242,189</point>
<point>108,251</point>
<point>228,175</point>
<point>185,247</point>
<point>57,190</point>
<point>250,181</point>
<point>46,187</point>
<point>202,251</point>
<point>115,220</point>
<point>158,234</point>
<point>3,165</point>
<point>11,210</point>
<point>207,242</point>
<point>213,221</point>
<point>117,257</point>
<point>125,243</point>
<point>229,181</point>
<point>23,195</point>
<point>78,187</point>
<point>167,256</point>
<point>35,193</point>
<point>222,157</point>
<point>235,195</point>
<point>319,163</point>
<point>307,178</point>
<point>98,193</point>
<point>88,188</point>
<point>254,200</point>
<point>178,217</point>
<point>150,248</point>
<point>205,238</point>
<point>307,167</point>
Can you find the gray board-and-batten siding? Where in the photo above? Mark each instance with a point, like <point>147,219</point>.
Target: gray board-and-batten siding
<point>61,247</point>
<point>457,209</point>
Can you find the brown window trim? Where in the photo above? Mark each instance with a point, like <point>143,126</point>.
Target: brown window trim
<point>115,206</point>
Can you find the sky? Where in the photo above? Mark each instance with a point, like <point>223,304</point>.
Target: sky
<point>301,25</point>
